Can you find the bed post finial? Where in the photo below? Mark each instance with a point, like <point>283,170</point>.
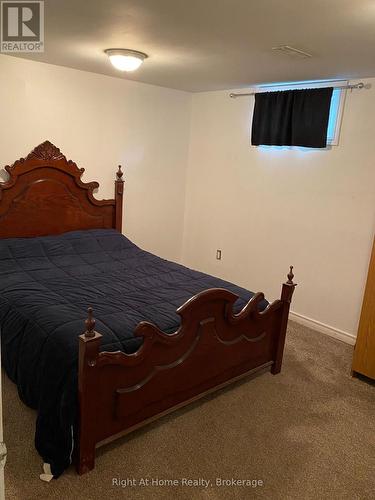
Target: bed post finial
<point>88,379</point>
<point>286,298</point>
<point>120,173</point>
<point>119,193</point>
<point>90,324</point>
<point>290,276</point>
<point>288,287</point>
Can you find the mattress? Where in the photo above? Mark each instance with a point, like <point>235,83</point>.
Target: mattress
<point>46,286</point>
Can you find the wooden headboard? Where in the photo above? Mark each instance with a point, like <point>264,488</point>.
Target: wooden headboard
<point>45,195</point>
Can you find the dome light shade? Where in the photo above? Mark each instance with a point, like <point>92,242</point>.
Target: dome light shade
<point>125,59</point>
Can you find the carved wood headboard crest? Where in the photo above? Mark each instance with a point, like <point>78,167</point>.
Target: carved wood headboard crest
<point>45,195</point>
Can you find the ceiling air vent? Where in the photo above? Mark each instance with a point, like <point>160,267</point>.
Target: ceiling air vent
<point>292,51</point>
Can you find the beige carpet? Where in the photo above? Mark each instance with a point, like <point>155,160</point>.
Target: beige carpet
<point>308,433</point>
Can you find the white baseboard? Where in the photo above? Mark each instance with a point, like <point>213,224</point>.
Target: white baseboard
<point>346,337</point>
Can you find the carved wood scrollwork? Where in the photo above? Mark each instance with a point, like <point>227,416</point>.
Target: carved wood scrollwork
<point>46,151</point>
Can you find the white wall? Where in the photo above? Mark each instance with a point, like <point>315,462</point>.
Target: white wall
<point>99,122</point>
<point>268,208</point>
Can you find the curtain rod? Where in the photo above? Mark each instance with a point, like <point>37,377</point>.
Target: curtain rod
<point>359,85</point>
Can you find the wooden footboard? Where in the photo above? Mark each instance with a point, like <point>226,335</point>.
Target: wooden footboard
<point>213,347</point>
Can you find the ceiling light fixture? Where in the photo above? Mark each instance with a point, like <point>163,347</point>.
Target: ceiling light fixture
<point>125,59</point>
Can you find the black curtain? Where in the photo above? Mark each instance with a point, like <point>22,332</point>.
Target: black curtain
<point>292,118</point>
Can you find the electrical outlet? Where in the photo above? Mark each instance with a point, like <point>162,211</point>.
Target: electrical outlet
<point>218,254</point>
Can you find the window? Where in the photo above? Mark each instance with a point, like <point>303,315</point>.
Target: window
<point>335,115</point>
<point>337,103</point>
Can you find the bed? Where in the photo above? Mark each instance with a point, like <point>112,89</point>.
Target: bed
<point>163,335</point>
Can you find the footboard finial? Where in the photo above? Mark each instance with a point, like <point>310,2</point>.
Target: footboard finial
<point>119,173</point>
<point>90,324</point>
<point>89,344</point>
<point>286,298</point>
<point>290,276</point>
<point>288,287</point>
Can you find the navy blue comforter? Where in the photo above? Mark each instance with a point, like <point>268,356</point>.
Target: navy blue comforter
<point>46,285</point>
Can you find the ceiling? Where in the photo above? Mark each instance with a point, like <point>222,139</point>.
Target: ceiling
<point>199,45</point>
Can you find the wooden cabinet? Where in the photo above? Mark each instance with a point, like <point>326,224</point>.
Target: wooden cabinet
<point>364,352</point>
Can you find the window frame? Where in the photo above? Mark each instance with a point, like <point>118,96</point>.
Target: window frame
<point>333,140</point>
